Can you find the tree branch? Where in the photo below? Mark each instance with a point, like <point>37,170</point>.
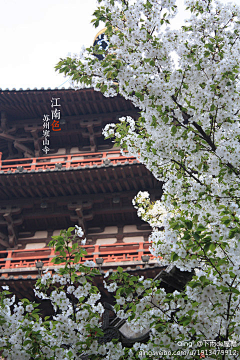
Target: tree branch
<point>187,171</point>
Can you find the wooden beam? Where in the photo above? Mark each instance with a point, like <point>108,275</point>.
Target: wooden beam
<point>27,152</point>
<point>36,140</point>
<point>46,213</point>
<point>80,204</point>
<point>4,240</point>
<point>8,137</point>
<point>4,124</point>
<point>10,210</point>
<point>11,227</point>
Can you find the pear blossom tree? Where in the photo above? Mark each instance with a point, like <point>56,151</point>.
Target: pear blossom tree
<point>75,328</point>
<point>185,84</point>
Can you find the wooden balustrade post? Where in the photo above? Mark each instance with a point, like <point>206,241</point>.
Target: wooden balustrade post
<point>140,251</point>
<point>96,250</point>
<point>33,164</point>
<point>52,254</point>
<point>8,260</point>
<point>69,160</point>
<point>104,157</point>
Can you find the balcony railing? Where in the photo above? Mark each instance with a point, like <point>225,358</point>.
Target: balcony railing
<point>72,161</point>
<point>111,253</point>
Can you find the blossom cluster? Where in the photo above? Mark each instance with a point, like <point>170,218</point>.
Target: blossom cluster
<point>75,325</point>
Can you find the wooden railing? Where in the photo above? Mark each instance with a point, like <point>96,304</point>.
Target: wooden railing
<point>64,161</point>
<point>122,252</point>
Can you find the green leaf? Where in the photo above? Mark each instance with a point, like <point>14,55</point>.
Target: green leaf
<point>212,247</point>
<point>174,257</point>
<point>235,291</point>
<point>120,269</point>
<point>194,304</point>
<point>189,224</point>
<point>195,248</point>
<point>59,248</point>
<point>224,218</point>
<point>58,260</point>
<point>71,229</point>
<point>213,107</point>
<point>175,226</point>
<point>63,253</point>
<point>103,88</point>
<point>83,251</point>
<point>233,232</point>
<point>36,316</point>
<point>185,320</point>
<point>26,342</point>
<point>139,95</point>
<point>74,246</point>
<point>173,130</point>
<point>196,236</point>
<point>201,228</point>
<point>207,247</point>
<point>160,328</point>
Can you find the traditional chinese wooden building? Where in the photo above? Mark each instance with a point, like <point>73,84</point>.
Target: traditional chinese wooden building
<point>81,180</point>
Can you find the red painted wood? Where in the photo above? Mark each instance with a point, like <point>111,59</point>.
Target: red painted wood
<point>27,258</point>
<point>69,160</point>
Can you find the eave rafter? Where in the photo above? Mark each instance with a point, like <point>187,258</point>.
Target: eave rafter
<point>76,199</point>
<point>104,117</point>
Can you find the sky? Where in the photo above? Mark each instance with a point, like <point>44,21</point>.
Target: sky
<point>35,34</point>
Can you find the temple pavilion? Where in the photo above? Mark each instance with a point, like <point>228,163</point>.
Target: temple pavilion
<point>57,171</point>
